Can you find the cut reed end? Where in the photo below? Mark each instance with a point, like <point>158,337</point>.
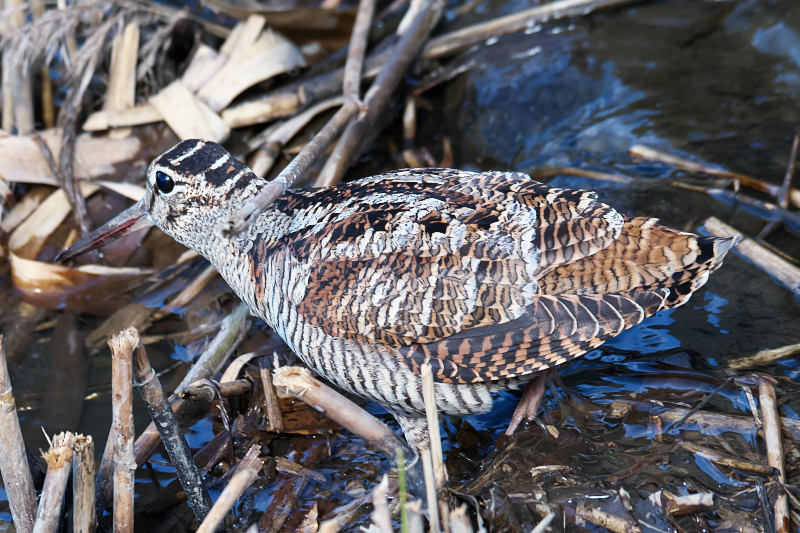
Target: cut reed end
<point>60,454</point>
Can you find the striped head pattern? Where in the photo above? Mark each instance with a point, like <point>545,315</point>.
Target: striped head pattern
<point>193,187</point>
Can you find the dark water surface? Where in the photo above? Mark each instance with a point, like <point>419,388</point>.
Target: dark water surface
<point>714,80</point>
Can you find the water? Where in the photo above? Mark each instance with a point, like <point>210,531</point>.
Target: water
<point>714,80</point>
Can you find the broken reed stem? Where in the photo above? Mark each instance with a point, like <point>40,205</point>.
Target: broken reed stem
<point>299,383</point>
<point>84,519</point>
<point>774,445</point>
<point>289,175</point>
<point>459,520</point>
<point>13,460</point>
<point>691,504</point>
<point>604,519</point>
<point>541,526</point>
<point>379,94</point>
<point>122,347</point>
<point>381,516</point>
<point>273,409</point>
<point>784,272</point>
<point>171,435</point>
<point>401,490</point>
<point>764,357</point>
<point>104,483</point>
<point>432,413</point>
<point>59,466</point>
<point>679,423</point>
<point>430,490</point>
<point>246,473</point>
<point>230,335</point>
<point>783,193</point>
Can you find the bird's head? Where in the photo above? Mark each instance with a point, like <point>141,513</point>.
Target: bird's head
<point>191,189</point>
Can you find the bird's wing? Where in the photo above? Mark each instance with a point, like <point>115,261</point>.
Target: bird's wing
<point>416,257</point>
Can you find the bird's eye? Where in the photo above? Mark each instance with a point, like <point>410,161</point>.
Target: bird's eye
<point>164,183</point>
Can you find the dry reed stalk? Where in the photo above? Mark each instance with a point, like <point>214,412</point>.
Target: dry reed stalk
<point>84,519</point>
<point>430,490</point>
<point>545,522</point>
<point>13,461</point>
<point>645,152</point>
<point>289,175</point>
<point>459,520</point>
<point>104,483</point>
<point>379,94</point>
<point>432,414</point>
<point>381,516</point>
<point>298,382</point>
<point>171,435</point>
<point>720,459</point>
<point>230,335</point>
<point>693,503</point>
<point>774,444</point>
<point>604,519</point>
<point>59,466</point>
<point>784,272</point>
<point>414,514</point>
<point>272,407</point>
<point>246,473</point>
<point>122,347</point>
<point>764,357</point>
<point>121,92</point>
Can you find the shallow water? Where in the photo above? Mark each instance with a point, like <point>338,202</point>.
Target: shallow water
<point>715,80</point>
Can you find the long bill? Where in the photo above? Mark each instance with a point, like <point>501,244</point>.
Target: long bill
<point>132,219</point>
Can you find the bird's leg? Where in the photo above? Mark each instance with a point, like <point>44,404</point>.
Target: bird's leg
<point>528,406</point>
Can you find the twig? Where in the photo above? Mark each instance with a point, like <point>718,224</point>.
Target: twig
<point>774,444</point>
<point>13,461</point>
<point>122,347</point>
<point>246,473</point>
<point>299,383</point>
<point>230,334</point>
<point>171,435</point>
<point>379,94</point>
<point>477,33</point>
<point>541,526</point>
<point>289,175</point>
<point>59,463</point>
<point>273,409</point>
<point>699,406</point>
<point>786,187</point>
<point>645,152</point>
<point>764,357</point>
<point>720,459</point>
<point>783,272</point>
<point>84,518</point>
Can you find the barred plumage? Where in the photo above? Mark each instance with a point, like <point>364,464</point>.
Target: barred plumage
<point>489,277</point>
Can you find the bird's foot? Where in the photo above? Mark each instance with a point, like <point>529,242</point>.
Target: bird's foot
<point>528,406</point>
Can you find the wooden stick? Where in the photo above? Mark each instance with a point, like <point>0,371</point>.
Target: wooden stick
<point>84,519</point>
<point>122,347</point>
<point>379,94</point>
<point>246,473</point>
<point>764,357</point>
<point>477,33</point>
<point>171,435</point>
<point>645,152</point>
<point>785,273</point>
<point>272,407</point>
<point>299,383</point>
<point>289,175</point>
<point>13,461</point>
<point>774,444</point>
<point>432,414</point>
<point>59,463</point>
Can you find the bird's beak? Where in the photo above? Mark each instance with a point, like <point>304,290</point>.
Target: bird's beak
<point>132,219</point>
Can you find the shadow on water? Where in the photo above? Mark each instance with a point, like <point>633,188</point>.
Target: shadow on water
<point>715,80</point>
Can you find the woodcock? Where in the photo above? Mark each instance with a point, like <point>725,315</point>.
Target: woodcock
<point>490,277</point>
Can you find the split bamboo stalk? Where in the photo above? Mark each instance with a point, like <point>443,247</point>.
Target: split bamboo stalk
<point>171,435</point>
<point>13,461</point>
<point>122,347</point>
<point>273,409</point>
<point>84,518</point>
<point>774,444</point>
<point>784,272</point>
<point>246,473</point>
<point>289,175</point>
<point>59,466</point>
